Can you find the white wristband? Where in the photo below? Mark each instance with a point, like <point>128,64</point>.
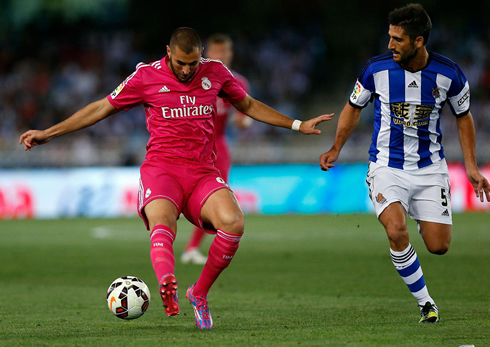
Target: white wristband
<point>296,124</point>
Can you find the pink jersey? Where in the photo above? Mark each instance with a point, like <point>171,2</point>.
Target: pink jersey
<point>224,107</point>
<point>180,116</point>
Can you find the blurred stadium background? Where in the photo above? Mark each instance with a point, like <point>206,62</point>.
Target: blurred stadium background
<point>302,58</point>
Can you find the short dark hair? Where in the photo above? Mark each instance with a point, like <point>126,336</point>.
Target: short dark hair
<point>413,19</point>
<point>219,38</point>
<point>187,39</point>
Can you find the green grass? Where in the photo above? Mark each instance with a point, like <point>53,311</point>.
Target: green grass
<point>309,280</point>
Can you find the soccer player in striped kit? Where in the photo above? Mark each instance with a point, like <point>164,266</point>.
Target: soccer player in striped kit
<point>218,47</point>
<point>179,93</point>
<point>407,170</point>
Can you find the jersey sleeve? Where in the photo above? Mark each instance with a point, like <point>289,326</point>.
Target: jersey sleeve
<point>363,89</point>
<point>129,93</point>
<point>231,89</point>
<point>459,94</point>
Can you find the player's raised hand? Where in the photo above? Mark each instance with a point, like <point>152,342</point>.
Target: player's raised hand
<point>328,158</point>
<point>308,127</point>
<point>33,138</point>
<point>480,184</point>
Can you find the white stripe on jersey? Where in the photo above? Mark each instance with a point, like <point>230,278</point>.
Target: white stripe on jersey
<point>443,83</point>
<point>413,96</point>
<point>381,82</point>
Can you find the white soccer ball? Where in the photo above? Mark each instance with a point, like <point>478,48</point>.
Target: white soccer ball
<point>128,297</point>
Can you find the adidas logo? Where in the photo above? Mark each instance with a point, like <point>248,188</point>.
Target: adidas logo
<point>445,213</point>
<point>413,84</point>
<point>164,90</point>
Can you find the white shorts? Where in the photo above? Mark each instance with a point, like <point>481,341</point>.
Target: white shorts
<point>424,193</point>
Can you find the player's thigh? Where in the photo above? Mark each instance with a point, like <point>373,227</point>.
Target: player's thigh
<point>222,211</point>
<point>431,202</point>
<point>436,236</point>
<point>160,196</point>
<point>212,205</point>
<point>386,187</point>
<point>162,212</point>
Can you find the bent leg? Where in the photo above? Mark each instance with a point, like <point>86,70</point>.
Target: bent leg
<point>222,211</point>
<point>437,236</point>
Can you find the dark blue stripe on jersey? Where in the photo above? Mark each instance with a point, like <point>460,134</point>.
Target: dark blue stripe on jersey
<point>429,79</point>
<point>439,138</point>
<point>397,94</point>
<point>408,271</point>
<point>373,150</point>
<point>415,287</point>
<point>373,60</point>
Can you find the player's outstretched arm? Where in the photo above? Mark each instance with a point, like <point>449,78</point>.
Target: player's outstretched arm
<point>466,132</point>
<point>266,114</point>
<point>348,120</point>
<point>87,116</point>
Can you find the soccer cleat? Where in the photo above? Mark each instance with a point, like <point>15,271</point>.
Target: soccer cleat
<point>193,256</point>
<point>429,313</point>
<point>201,309</point>
<point>170,297</point>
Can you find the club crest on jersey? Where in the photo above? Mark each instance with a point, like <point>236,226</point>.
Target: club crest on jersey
<point>117,90</point>
<point>436,93</point>
<point>206,83</point>
<point>380,199</point>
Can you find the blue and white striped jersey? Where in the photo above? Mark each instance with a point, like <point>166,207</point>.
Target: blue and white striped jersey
<point>407,108</point>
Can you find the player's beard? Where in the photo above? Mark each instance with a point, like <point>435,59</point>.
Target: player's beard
<point>406,57</point>
<point>179,77</point>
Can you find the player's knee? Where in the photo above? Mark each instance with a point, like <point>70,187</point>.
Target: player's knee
<point>162,220</point>
<point>232,222</point>
<point>438,249</point>
<point>396,232</point>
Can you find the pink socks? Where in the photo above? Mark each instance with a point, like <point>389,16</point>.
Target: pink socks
<point>162,252</point>
<point>221,253</point>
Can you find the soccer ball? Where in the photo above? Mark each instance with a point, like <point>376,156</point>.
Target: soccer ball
<point>128,297</point>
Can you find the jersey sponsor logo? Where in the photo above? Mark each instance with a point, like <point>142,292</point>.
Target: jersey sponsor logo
<point>206,83</point>
<point>463,98</point>
<point>164,90</point>
<point>380,199</point>
<point>148,193</point>
<point>220,180</point>
<point>187,111</point>
<point>413,84</point>
<point>118,90</point>
<point>402,114</point>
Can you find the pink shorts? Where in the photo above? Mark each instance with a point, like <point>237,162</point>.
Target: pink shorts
<point>186,185</point>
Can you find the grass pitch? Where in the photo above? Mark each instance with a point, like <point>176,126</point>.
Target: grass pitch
<point>307,279</point>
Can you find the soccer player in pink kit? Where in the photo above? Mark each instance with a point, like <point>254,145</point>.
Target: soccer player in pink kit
<point>179,93</point>
<point>218,47</point>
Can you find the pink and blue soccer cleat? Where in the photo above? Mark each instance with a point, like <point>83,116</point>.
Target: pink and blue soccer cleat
<point>201,309</point>
<point>170,297</point>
